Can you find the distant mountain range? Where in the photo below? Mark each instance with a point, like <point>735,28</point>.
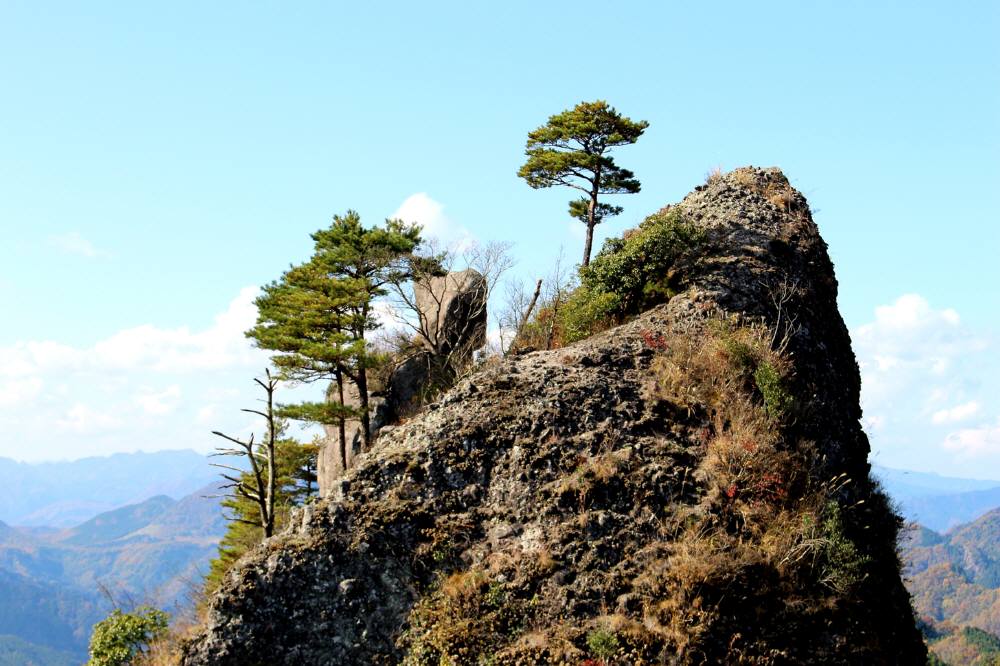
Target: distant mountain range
<point>63,494</point>
<point>54,582</point>
<point>938,502</point>
<point>955,582</point>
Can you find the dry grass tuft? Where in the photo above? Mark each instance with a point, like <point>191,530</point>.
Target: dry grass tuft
<point>768,527</point>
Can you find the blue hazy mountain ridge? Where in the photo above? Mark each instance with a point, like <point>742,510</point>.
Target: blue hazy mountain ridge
<point>938,502</point>
<point>16,651</point>
<point>51,581</point>
<point>64,494</point>
<point>117,523</point>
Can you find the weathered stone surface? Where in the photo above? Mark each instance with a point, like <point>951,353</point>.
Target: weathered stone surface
<point>329,465</point>
<point>406,382</point>
<point>484,478</point>
<point>453,307</point>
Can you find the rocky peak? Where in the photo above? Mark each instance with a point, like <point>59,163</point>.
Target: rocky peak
<point>558,506</point>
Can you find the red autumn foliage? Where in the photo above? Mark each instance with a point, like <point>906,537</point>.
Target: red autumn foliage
<point>653,340</point>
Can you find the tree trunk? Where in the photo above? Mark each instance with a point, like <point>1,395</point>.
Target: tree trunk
<point>591,223</point>
<point>341,419</point>
<point>527,314</point>
<point>271,440</point>
<point>366,434</point>
<point>363,404</point>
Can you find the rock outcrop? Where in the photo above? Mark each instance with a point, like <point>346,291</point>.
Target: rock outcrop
<point>553,507</point>
<point>452,312</point>
<point>329,465</point>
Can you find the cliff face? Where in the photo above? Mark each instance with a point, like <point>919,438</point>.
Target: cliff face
<point>586,502</point>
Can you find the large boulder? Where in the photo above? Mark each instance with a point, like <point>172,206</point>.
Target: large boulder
<point>329,463</point>
<point>452,311</point>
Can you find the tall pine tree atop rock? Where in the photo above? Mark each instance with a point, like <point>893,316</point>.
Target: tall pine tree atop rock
<point>572,148</point>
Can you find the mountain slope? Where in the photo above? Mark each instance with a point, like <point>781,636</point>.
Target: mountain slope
<point>600,501</point>
<point>47,614</point>
<point>955,577</point>
<point>15,651</point>
<point>905,483</point>
<point>64,494</point>
<point>50,581</point>
<point>114,524</point>
<point>943,512</point>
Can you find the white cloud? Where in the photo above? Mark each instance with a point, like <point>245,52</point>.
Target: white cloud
<point>955,414</point>
<point>910,312</point>
<point>83,419</point>
<point>162,402</point>
<point>975,442</point>
<point>909,320</point>
<point>207,414</point>
<point>923,370</point>
<point>73,243</point>
<point>181,350</point>
<point>419,208</point>
<point>147,347</point>
<point>14,392</point>
<point>910,342</point>
<point>106,394</point>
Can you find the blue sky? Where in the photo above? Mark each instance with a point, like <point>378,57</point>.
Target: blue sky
<point>159,161</point>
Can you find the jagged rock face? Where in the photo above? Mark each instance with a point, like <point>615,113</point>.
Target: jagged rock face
<point>483,481</point>
<point>406,382</point>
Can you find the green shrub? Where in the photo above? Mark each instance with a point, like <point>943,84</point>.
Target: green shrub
<point>586,312</point>
<point>602,643</point>
<point>120,637</point>
<point>629,275</point>
<point>844,565</point>
<point>636,268</point>
<point>777,400</point>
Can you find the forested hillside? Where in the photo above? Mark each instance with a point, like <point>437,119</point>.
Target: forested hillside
<point>55,584</point>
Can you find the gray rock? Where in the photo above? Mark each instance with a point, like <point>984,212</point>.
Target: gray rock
<point>453,311</point>
<point>329,466</point>
<point>504,447</point>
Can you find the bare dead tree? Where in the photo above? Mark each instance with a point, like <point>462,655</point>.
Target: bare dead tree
<point>560,284</point>
<point>531,305</point>
<point>420,304</point>
<point>786,325</point>
<point>124,599</point>
<point>260,484</point>
<point>516,313</point>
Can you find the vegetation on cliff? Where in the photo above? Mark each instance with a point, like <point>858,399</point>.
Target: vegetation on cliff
<point>690,486</point>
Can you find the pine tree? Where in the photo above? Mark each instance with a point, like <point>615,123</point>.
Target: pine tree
<point>306,317</point>
<point>318,315</point>
<point>295,466</point>
<point>572,148</point>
